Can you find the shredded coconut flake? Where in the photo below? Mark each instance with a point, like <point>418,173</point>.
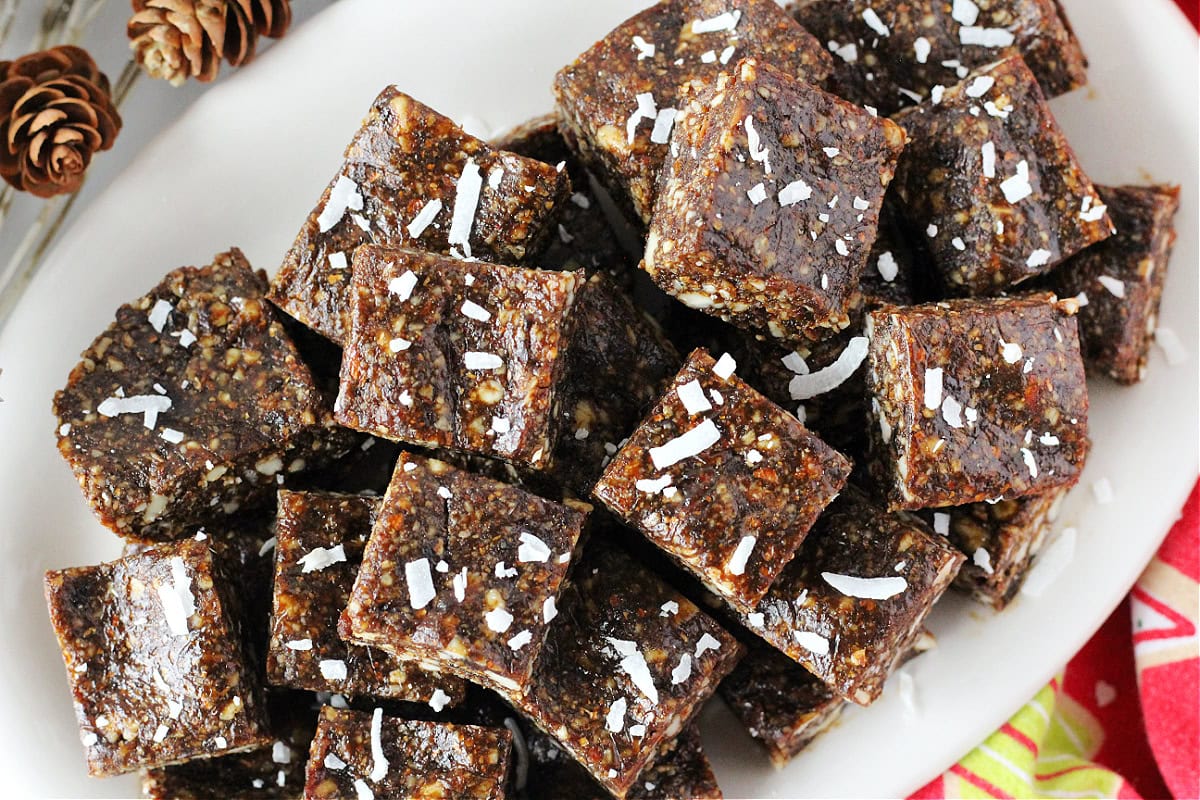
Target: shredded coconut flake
<point>477,360</point>
<point>633,664</point>
<point>964,12</point>
<point>645,49</point>
<point>922,49</point>
<point>159,314</point>
<point>875,23</point>
<point>1011,352</point>
<point>333,762</point>
<point>498,620</point>
<point>1030,462</point>
<point>178,602</point>
<point>171,435</point>
<point>757,193</point>
<point>549,610</point>
<point>424,218</point>
<point>1017,188</point>
<point>980,86</point>
<point>812,642</point>
<point>736,565</point>
<point>988,151</point>
<point>941,523</point>
<point>148,405</point>
<point>439,700</point>
<point>466,202</point>
<point>691,394</point>
<point>342,197</point>
<point>668,608</point>
<point>1115,287</point>
<point>952,412</point>
<point>362,791</point>
<point>722,22</point>
<point>933,388</point>
<point>1038,258</point>
<point>794,192</point>
<point>683,671</point>
<point>647,108</point>
<point>320,558</point>
<point>687,445</point>
<point>420,583</point>
<point>614,721</point>
<point>664,121</point>
<point>985,37</point>
<point>403,285</point>
<point>520,640</point>
<point>332,669</point>
<point>982,560</point>
<point>706,642</point>
<point>459,583</point>
<point>887,266</point>
<point>475,311</point>
<point>532,549</point>
<point>805,387</point>
<point>758,151</point>
<point>866,588</point>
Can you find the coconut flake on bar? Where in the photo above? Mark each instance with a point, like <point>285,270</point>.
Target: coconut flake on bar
<point>320,558</point>
<point>686,445</point>
<point>466,202</point>
<point>532,549</point>
<point>866,588</point>
<point>148,405</point>
<point>1017,188</point>
<point>806,387</point>
<point>985,37</point>
<point>724,367</point>
<point>159,314</point>
<point>475,311</point>
<point>691,394</point>
<point>1115,287</point>
<point>663,122</point>
<point>647,108</point>
<point>875,23</point>
<point>633,664</point>
<point>403,285</point>
<point>420,583</point>
<point>722,22</point>
<point>812,642</point>
<point>794,192</point>
<point>424,218</point>
<point>342,197</point>
<point>178,602</point>
<point>736,565</point>
<point>933,388</point>
<point>476,360</point>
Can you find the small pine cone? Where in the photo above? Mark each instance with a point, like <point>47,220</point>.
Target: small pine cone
<point>180,39</point>
<point>56,110</point>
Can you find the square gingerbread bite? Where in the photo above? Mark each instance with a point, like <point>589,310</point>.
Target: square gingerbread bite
<point>781,704</point>
<point>464,355</point>
<point>993,184</point>
<point>1001,541</point>
<point>617,364</point>
<point>192,405</point>
<point>155,660</point>
<point>974,400</point>
<point>462,574</point>
<point>627,664</point>
<point>619,99</point>
<point>1122,280</point>
<point>369,756</point>
<point>852,603</point>
<point>769,203</point>
<point>319,545</point>
<point>413,178</point>
<point>723,480</point>
<point>892,53</point>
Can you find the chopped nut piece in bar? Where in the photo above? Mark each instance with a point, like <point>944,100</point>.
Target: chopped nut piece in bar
<point>1001,541</point>
<point>893,53</point>
<point>273,772</point>
<point>618,100</point>
<point>769,203</point>
<point>192,405</point>
<point>617,364</point>
<point>682,772</point>
<point>413,178</point>
<point>482,564</point>
<point>723,480</point>
<point>319,545</point>
<point>627,664</point>
<point>851,604</point>
<point>1122,279</point>
<point>465,355</point>
<point>368,756</point>
<point>783,706</point>
<point>584,238</point>
<point>994,185</point>
<point>155,660</point>
<point>973,400</point>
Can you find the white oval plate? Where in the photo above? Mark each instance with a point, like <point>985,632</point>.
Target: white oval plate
<point>247,162</point>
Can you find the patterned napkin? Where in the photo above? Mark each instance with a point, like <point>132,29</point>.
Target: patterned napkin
<point>1122,720</point>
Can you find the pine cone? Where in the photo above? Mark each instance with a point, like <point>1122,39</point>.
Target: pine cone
<point>180,39</point>
<point>56,110</point>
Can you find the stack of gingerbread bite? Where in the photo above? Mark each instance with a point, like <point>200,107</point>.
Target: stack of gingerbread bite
<point>471,499</point>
